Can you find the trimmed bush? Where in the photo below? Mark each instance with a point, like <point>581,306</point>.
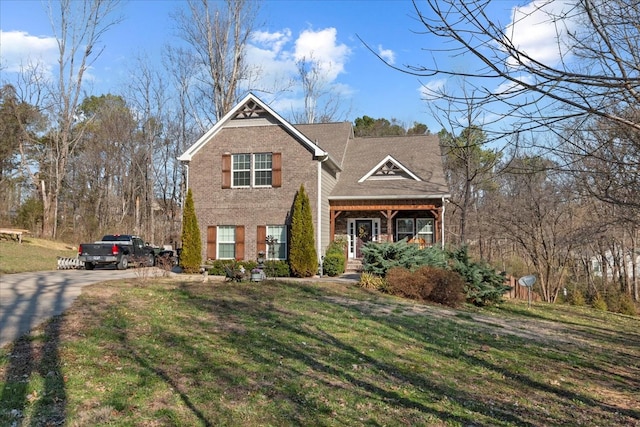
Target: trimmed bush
<point>303,258</point>
<point>191,255</point>
<point>427,284</point>
<point>277,268</point>
<point>333,264</point>
<point>483,285</point>
<point>272,268</point>
<point>216,267</point>
<point>335,259</point>
<point>379,258</point>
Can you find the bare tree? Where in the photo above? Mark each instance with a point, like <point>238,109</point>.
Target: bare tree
<point>537,210</point>
<point>78,28</point>
<point>322,101</point>
<point>596,71</point>
<point>179,132</point>
<point>469,163</point>
<point>218,37</point>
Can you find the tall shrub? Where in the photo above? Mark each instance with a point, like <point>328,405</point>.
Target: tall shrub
<point>303,258</point>
<point>334,258</point>
<point>191,255</point>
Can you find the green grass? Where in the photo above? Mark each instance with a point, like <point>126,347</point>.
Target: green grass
<point>32,255</point>
<point>170,352</point>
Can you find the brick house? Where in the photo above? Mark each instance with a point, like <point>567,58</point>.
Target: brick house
<point>245,172</point>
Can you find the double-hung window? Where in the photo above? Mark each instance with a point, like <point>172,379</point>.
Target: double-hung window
<point>424,226</point>
<point>226,242</point>
<point>252,170</point>
<point>249,170</point>
<point>276,242</point>
<point>418,228</point>
<point>241,170</point>
<point>404,228</point>
<point>262,170</point>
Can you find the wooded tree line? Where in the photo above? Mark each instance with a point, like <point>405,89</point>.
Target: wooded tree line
<point>561,199</point>
<point>561,190</point>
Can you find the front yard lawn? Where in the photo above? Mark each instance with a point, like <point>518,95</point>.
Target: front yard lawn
<point>173,352</point>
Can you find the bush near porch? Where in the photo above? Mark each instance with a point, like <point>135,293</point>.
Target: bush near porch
<point>482,284</point>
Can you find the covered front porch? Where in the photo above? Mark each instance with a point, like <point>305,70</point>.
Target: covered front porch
<point>362,221</point>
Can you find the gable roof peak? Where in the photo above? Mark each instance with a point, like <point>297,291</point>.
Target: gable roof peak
<point>250,107</point>
<point>389,168</point>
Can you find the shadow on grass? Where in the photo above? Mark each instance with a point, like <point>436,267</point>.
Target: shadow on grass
<point>549,352</point>
<point>34,359</point>
<point>290,350</point>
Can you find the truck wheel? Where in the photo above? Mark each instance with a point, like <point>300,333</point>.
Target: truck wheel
<point>123,264</point>
<point>151,260</point>
<point>89,266</point>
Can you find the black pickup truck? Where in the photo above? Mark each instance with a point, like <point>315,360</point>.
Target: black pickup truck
<point>117,249</point>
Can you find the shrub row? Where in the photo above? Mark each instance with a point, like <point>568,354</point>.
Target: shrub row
<point>272,268</point>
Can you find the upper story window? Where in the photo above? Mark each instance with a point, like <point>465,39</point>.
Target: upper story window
<point>241,170</point>
<point>245,170</point>
<point>262,171</point>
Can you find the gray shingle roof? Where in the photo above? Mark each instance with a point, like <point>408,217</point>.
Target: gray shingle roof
<point>331,137</point>
<point>358,156</point>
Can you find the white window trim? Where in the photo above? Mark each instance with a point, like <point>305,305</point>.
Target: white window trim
<point>219,241</point>
<point>279,242</point>
<point>413,232</point>
<point>431,235</point>
<point>252,171</point>
<point>234,170</point>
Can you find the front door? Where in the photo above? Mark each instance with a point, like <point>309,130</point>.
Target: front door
<point>364,233</point>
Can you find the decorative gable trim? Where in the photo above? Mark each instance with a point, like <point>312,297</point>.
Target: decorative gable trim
<point>389,168</point>
<point>251,107</point>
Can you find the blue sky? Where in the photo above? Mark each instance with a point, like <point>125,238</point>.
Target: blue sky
<point>328,30</point>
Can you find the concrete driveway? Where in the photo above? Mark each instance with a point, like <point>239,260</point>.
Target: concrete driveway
<point>28,299</point>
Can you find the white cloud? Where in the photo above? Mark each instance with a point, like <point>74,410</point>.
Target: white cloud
<point>387,54</point>
<point>536,29</point>
<point>273,56</point>
<point>432,89</point>
<point>322,46</point>
<point>271,41</point>
<point>20,50</point>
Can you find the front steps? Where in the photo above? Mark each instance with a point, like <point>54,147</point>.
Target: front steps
<point>353,266</point>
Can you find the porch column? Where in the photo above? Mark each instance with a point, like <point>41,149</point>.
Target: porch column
<point>389,214</point>
<point>332,224</point>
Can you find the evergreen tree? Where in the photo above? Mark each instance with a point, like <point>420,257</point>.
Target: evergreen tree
<point>303,258</point>
<point>191,255</point>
